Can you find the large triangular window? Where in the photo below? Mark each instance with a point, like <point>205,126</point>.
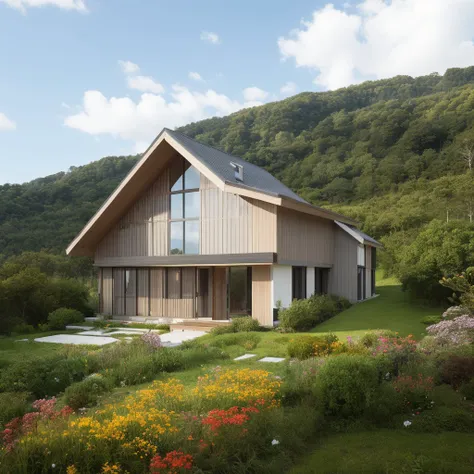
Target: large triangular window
<point>185,209</point>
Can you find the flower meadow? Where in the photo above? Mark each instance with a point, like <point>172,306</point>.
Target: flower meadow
<point>161,429</point>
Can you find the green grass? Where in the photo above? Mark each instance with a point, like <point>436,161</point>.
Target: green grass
<point>391,451</point>
<point>392,309</point>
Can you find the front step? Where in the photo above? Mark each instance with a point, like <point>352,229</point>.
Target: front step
<point>196,325</point>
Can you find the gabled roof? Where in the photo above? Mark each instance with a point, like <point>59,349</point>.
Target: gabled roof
<point>360,236</point>
<point>214,164</point>
<point>219,162</point>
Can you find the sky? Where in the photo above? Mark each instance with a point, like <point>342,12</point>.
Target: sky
<point>84,79</point>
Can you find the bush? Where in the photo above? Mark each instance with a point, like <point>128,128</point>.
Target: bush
<point>61,317</point>
<point>245,340</point>
<point>347,385</point>
<point>467,389</point>
<point>43,377</point>
<point>245,324</point>
<point>12,405</point>
<point>444,419</point>
<point>302,315</point>
<point>429,320</point>
<point>304,347</point>
<point>456,370</point>
<point>23,328</point>
<point>300,376</point>
<point>86,392</point>
<point>415,391</point>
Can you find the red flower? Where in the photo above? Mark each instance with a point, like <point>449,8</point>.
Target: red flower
<point>173,463</point>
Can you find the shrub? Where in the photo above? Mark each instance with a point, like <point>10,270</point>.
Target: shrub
<point>246,340</point>
<point>453,312</point>
<point>397,350</point>
<point>245,324</point>
<point>86,392</point>
<point>444,419</point>
<point>467,389</point>
<point>12,405</point>
<point>42,377</point>
<point>152,339</point>
<point>456,331</point>
<point>386,403</point>
<point>415,391</point>
<point>302,315</point>
<point>430,320</point>
<point>23,328</point>
<point>456,370</point>
<point>300,376</point>
<point>61,317</point>
<point>299,316</point>
<point>347,384</point>
<point>302,347</point>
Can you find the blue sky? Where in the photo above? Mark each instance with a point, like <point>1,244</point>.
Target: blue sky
<point>83,79</point>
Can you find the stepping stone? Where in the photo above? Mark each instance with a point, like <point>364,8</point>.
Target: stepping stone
<point>272,359</point>
<point>84,328</point>
<point>245,356</point>
<point>77,339</point>
<point>175,338</point>
<point>22,340</point>
<point>101,332</point>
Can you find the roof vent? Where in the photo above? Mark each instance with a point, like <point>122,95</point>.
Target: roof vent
<point>238,171</point>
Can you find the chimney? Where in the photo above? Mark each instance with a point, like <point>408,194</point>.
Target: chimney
<point>238,171</point>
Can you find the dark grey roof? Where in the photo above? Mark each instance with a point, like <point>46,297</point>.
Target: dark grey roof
<point>364,235</point>
<point>219,163</point>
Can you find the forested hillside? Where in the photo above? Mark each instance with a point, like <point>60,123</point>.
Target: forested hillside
<point>393,153</point>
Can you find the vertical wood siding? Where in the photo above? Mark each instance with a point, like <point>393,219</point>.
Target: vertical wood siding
<point>219,295</point>
<point>142,291</point>
<point>143,230</point>
<point>303,238</point>
<point>343,274</point>
<point>106,295</point>
<point>118,291</point>
<point>262,307</point>
<point>231,224</point>
<point>157,302</point>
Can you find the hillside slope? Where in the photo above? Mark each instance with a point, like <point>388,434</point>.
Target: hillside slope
<point>355,148</point>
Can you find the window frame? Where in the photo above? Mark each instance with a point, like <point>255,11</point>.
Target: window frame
<point>302,289</point>
<point>183,192</point>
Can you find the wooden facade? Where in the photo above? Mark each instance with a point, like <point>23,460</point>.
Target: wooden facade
<point>140,273</point>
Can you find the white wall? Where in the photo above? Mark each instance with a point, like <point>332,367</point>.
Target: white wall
<point>309,281</point>
<point>361,256</point>
<point>281,285</point>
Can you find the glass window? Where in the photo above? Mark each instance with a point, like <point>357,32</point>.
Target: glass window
<point>191,237</point>
<point>176,230</point>
<point>178,185</point>
<point>191,178</point>
<point>299,283</point>
<point>239,294</point>
<point>192,205</point>
<point>177,206</point>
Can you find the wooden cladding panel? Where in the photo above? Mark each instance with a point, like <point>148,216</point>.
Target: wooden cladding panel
<point>142,231</point>
<point>118,291</point>
<point>107,291</point>
<point>143,291</point>
<point>157,292</point>
<point>219,293</point>
<point>232,224</point>
<point>305,239</point>
<point>262,307</point>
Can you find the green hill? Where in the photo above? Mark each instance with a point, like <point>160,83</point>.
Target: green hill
<point>388,152</point>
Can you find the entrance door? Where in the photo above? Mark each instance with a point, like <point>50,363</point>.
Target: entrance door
<point>203,294</point>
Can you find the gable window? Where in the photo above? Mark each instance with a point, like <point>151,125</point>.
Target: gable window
<point>185,209</point>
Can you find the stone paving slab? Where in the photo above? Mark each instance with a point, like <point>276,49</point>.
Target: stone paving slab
<point>99,332</point>
<point>84,328</point>
<point>77,339</point>
<point>245,356</point>
<point>175,338</point>
<point>272,359</point>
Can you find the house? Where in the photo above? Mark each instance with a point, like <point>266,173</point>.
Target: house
<point>193,232</point>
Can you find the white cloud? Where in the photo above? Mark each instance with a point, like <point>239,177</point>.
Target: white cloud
<point>382,39</point>
<point>141,120</point>
<point>210,37</point>
<point>23,5</point>
<point>145,84</point>
<point>288,89</point>
<point>128,67</point>
<point>195,76</point>
<point>6,124</point>
<point>254,94</point>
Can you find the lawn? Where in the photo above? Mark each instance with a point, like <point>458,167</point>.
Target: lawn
<point>391,451</point>
<point>392,309</point>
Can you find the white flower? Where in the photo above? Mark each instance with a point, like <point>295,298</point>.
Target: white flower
<point>406,423</point>
<point>275,442</point>
<point>53,465</point>
<point>56,379</point>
